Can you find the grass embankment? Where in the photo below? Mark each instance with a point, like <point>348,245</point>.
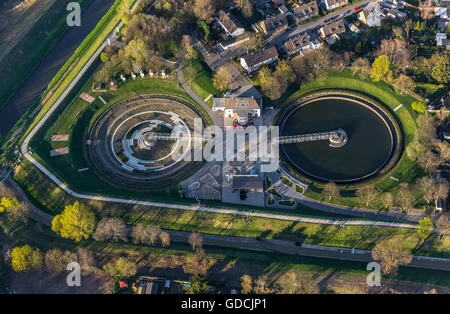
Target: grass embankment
<point>52,199</point>
<point>241,262</point>
<point>83,53</point>
<point>406,170</point>
<point>36,28</point>
<point>202,85</point>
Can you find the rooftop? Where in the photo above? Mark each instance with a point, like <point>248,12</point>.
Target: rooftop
<point>248,103</point>
<point>247,182</point>
<point>228,21</point>
<point>333,28</point>
<point>261,56</point>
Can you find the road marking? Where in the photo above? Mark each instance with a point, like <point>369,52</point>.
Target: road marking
<point>398,107</point>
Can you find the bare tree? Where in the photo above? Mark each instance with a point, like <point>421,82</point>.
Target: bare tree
<point>56,261</point>
<point>204,10</point>
<point>261,285</point>
<point>331,191</point>
<point>251,43</point>
<point>443,224</point>
<point>198,263</point>
<point>387,200</point>
<point>405,198</point>
<point>19,212</point>
<point>111,228</point>
<point>87,260</point>
<point>444,150</point>
<point>361,67</point>
<point>404,84</point>
<point>397,52</point>
<point>429,162</point>
<point>165,239</point>
<point>367,194</point>
<point>195,240</point>
<point>426,186</point>
<point>391,253</point>
<point>145,234</point>
<point>245,6</point>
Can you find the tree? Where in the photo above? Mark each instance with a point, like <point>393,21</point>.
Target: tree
<point>387,200</point>
<point>443,225</point>
<point>405,198</point>
<point>274,84</point>
<point>165,239</point>
<point>429,162</point>
<point>87,260</point>
<point>189,50</point>
<point>426,186</point>
<point>223,78</point>
<point>25,258</point>
<point>146,234</point>
<point>190,73</point>
<point>19,212</point>
<point>441,190</point>
<point>299,285</point>
<point>444,150</point>
<point>331,191</point>
<point>404,84</point>
<point>391,253</point>
<point>380,68</point>
<point>104,57</point>
<point>418,106</point>
<point>204,10</point>
<point>246,284</point>
<point>367,194</point>
<point>111,228</point>
<point>198,263</point>
<point>425,228</point>
<point>361,68</point>
<point>261,285</point>
<point>414,149</point>
<point>7,203</point>
<point>397,52</point>
<point>441,68</point>
<point>195,240</point>
<point>76,222</point>
<point>121,268</point>
<point>199,285</point>
<point>56,261</point>
<point>251,43</point>
<point>245,6</point>
<point>314,64</point>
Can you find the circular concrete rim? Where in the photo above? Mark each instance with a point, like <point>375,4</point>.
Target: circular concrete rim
<point>391,126</point>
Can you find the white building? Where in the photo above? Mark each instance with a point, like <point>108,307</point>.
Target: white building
<point>254,61</point>
<point>241,109</point>
<point>229,23</point>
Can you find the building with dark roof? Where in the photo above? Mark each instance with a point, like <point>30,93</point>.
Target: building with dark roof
<point>229,23</point>
<point>331,32</point>
<point>297,45</point>
<point>249,183</point>
<point>255,60</point>
<point>306,11</point>
<point>274,24</point>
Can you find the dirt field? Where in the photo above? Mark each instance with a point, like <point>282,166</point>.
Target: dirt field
<point>16,19</point>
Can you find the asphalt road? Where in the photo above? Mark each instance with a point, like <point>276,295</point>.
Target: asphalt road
<point>39,79</point>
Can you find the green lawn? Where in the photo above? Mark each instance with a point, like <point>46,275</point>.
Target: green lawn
<point>202,85</point>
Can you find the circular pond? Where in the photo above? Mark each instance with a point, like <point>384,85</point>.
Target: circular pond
<point>371,138</point>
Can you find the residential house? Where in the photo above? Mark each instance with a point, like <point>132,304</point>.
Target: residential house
<point>229,23</point>
<point>255,60</point>
<point>330,5</point>
<point>306,11</point>
<point>331,32</point>
<point>274,24</point>
<point>371,15</point>
<point>241,109</point>
<point>297,45</point>
<point>442,13</point>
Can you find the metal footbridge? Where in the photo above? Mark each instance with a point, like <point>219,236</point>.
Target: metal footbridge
<point>337,138</point>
